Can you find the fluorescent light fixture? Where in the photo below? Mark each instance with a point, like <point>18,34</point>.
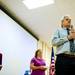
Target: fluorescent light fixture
<point>32,4</point>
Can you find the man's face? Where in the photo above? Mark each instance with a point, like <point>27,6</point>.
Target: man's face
<point>66,22</point>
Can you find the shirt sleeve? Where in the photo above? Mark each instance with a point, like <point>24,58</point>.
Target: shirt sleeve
<point>44,63</point>
<point>32,60</point>
<point>57,40</point>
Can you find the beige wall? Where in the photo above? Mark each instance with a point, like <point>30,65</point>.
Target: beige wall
<point>46,53</point>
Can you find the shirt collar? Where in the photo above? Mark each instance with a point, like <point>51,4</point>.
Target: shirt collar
<point>65,28</point>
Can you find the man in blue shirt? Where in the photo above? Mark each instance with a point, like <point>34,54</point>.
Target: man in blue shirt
<point>64,40</point>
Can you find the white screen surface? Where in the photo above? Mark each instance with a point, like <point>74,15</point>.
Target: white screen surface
<point>16,45</point>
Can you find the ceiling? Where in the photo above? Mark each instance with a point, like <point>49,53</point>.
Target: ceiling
<point>43,21</point>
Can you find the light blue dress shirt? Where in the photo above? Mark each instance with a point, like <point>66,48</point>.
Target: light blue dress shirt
<point>61,41</point>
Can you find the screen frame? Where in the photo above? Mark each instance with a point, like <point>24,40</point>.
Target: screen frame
<point>7,11</point>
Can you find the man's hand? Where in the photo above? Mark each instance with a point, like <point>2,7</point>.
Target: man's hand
<point>71,36</point>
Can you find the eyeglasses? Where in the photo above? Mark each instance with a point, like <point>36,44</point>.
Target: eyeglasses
<point>67,19</point>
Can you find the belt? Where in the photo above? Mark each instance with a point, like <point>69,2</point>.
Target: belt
<point>66,55</point>
<point>70,53</point>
